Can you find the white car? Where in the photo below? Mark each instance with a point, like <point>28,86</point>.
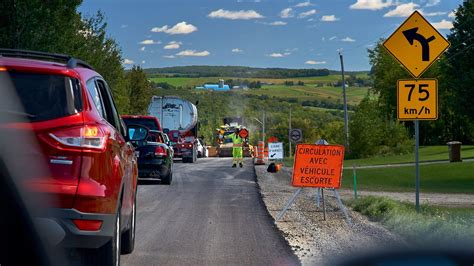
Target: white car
<point>201,148</point>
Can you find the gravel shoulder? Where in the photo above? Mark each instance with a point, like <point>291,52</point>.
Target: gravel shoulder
<point>315,241</point>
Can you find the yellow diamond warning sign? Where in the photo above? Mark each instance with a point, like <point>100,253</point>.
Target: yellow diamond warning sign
<point>416,44</point>
<point>417,99</point>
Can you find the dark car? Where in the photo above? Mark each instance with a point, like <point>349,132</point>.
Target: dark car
<point>155,158</point>
<point>150,122</point>
<point>91,167</point>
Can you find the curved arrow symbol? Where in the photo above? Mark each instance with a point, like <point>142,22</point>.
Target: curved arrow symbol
<point>412,35</point>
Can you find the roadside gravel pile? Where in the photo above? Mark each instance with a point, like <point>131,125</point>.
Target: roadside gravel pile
<point>315,241</point>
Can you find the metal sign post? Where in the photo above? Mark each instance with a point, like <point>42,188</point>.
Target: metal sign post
<point>417,165</point>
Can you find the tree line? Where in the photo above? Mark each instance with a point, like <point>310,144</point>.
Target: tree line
<point>235,71</point>
<point>56,26</point>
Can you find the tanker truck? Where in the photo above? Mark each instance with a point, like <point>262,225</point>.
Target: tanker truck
<point>179,119</point>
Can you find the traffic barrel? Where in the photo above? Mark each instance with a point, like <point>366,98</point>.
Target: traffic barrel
<point>260,153</point>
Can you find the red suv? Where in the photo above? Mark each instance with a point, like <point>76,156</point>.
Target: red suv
<point>92,169</point>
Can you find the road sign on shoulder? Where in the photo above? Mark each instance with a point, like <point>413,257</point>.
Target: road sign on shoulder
<point>296,135</point>
<point>275,150</point>
<point>416,44</point>
<point>417,99</point>
<point>318,166</point>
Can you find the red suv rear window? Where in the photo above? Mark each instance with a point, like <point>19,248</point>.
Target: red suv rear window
<point>46,97</point>
<point>146,122</point>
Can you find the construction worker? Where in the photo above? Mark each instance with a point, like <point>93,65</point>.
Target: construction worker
<point>237,148</point>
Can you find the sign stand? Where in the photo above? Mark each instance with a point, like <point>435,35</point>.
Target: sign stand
<point>288,204</point>
<point>320,191</point>
<point>319,196</point>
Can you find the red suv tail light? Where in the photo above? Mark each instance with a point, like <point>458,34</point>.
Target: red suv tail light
<point>88,225</point>
<point>160,151</point>
<point>86,137</point>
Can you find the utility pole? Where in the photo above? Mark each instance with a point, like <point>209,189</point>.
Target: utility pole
<point>263,125</point>
<point>289,137</point>
<point>346,119</point>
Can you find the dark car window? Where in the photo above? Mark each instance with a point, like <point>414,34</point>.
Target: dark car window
<point>96,97</point>
<point>46,97</point>
<point>110,110</point>
<point>149,123</point>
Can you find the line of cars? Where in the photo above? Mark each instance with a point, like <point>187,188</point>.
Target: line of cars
<point>92,157</point>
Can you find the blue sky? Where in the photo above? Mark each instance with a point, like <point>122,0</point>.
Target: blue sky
<point>259,33</point>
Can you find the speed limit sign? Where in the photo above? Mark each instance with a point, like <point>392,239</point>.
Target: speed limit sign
<point>417,99</point>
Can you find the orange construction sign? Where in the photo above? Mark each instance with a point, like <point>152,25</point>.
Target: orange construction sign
<point>318,166</point>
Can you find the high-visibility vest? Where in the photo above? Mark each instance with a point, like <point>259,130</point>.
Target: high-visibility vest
<point>236,140</point>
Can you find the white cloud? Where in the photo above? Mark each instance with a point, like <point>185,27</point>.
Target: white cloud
<point>123,26</point>
<point>237,50</point>
<point>329,18</point>
<point>242,14</point>
<point>403,10</point>
<point>148,42</point>
<point>287,13</point>
<point>276,55</point>
<point>173,45</point>
<point>179,28</point>
<point>127,61</point>
<point>312,62</point>
<point>452,14</point>
<point>323,39</point>
<point>142,49</point>
<point>168,56</point>
<point>443,25</point>
<point>371,4</point>
<point>433,14</point>
<point>276,23</point>
<point>332,38</point>
<point>193,53</point>
<point>348,39</point>
<point>433,3</point>
<point>143,62</point>
<point>304,4</point>
<point>307,13</point>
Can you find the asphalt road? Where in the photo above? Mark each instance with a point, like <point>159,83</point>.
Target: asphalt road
<point>211,214</point>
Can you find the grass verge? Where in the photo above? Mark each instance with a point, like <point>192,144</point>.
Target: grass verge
<point>440,178</point>
<point>432,226</point>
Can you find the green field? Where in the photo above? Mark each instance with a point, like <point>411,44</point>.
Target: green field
<point>311,92</point>
<point>192,82</point>
<point>441,178</point>
<point>314,89</point>
<point>427,153</point>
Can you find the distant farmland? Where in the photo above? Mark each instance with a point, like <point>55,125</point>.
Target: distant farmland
<point>311,93</point>
<point>192,82</point>
<point>315,88</point>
